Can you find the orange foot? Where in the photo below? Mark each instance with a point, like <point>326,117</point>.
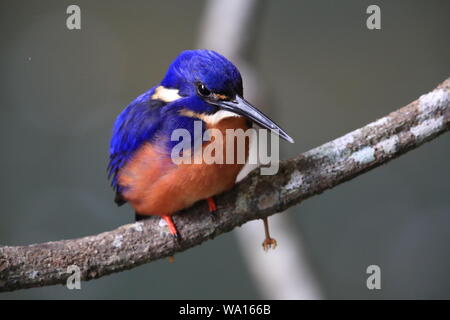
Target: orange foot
<point>172,228</point>
<point>269,243</point>
<point>211,204</point>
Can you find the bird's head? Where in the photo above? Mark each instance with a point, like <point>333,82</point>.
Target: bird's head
<point>207,84</point>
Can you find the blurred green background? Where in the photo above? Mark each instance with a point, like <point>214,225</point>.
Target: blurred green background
<point>327,73</point>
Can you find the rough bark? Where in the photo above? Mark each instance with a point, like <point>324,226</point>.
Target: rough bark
<point>255,197</point>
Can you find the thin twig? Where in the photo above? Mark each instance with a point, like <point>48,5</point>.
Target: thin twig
<point>233,28</point>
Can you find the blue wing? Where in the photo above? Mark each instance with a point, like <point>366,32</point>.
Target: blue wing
<point>137,124</point>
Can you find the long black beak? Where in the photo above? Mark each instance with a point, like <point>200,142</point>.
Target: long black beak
<point>244,108</point>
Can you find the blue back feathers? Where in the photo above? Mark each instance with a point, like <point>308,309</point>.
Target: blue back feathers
<point>146,119</point>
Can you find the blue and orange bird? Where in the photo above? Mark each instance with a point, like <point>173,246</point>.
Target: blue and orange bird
<point>200,85</point>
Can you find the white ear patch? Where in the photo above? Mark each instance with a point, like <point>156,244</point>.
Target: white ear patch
<point>164,94</point>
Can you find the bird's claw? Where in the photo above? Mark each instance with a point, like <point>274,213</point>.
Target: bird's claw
<point>212,205</point>
<point>269,243</point>
<point>176,237</point>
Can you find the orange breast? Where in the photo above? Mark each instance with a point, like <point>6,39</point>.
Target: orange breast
<point>154,185</point>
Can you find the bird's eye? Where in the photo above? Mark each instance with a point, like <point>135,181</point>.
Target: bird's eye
<point>202,90</point>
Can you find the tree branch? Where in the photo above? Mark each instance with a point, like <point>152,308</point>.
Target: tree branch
<point>255,197</point>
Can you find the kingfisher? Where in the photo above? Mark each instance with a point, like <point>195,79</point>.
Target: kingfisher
<point>200,87</point>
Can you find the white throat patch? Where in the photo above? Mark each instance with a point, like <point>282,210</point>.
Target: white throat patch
<point>211,119</point>
<point>218,116</point>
